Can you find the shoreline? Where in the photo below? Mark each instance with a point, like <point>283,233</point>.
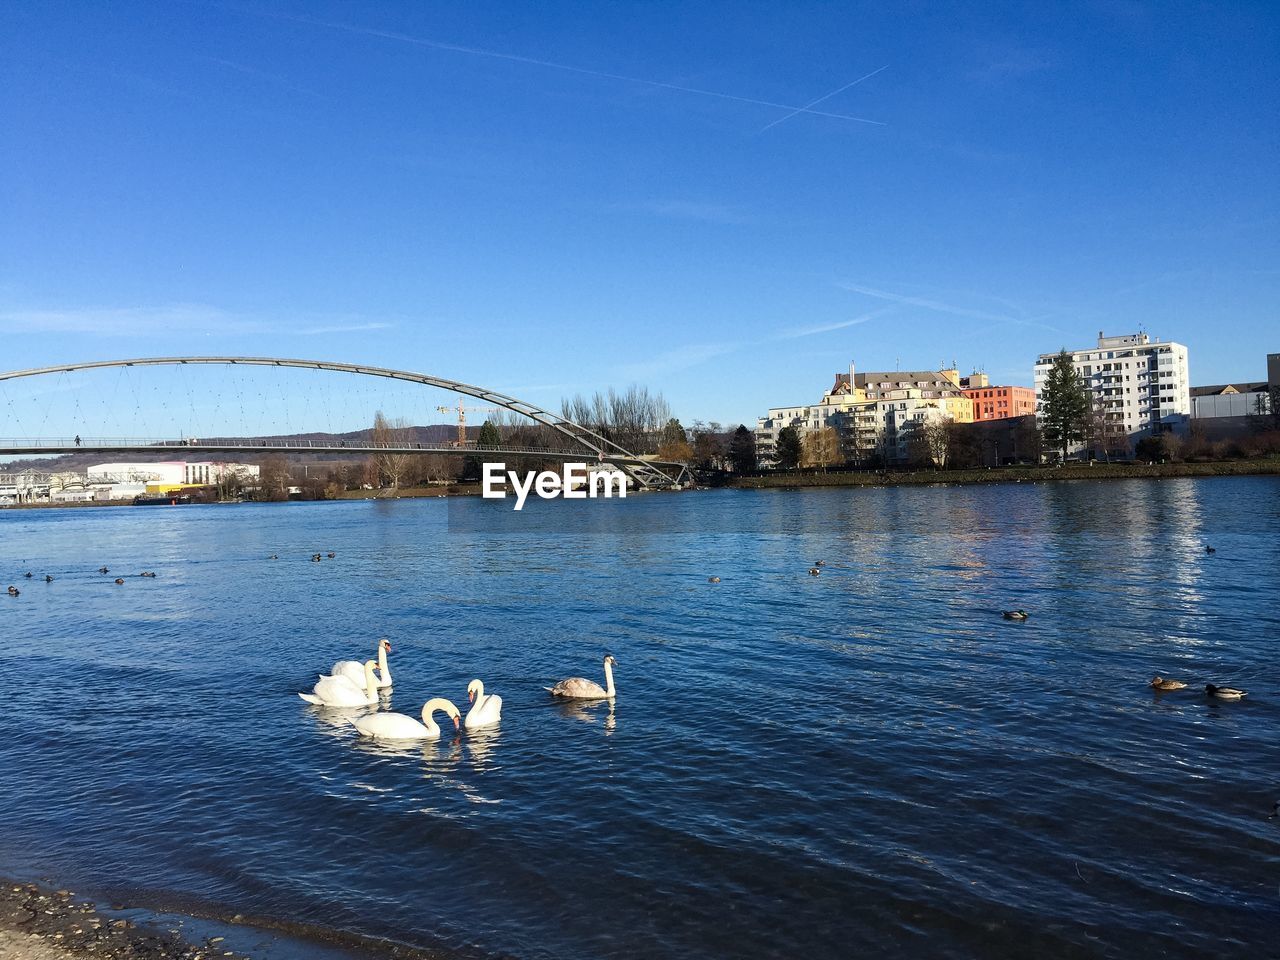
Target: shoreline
<point>981,475</point>
<point>39,921</point>
<point>407,493</point>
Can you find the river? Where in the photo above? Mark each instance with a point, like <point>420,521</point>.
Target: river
<point>830,766</point>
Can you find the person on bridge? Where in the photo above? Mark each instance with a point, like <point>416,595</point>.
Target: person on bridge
<point>77,439</point>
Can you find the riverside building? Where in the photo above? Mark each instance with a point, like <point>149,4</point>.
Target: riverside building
<point>1137,386</point>
<point>997,403</point>
<point>875,413</point>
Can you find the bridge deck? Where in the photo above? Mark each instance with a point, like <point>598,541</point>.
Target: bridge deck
<point>198,449</point>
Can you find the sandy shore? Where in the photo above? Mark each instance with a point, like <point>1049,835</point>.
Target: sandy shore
<point>41,924</point>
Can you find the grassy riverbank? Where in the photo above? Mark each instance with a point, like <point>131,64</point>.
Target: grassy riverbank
<point>1098,471</point>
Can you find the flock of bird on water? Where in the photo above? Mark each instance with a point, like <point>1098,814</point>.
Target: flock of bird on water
<point>354,684</point>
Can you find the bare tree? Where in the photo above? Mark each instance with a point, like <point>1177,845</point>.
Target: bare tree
<point>632,419</point>
<point>936,433</point>
<point>820,448</point>
<point>391,467</point>
<point>273,478</point>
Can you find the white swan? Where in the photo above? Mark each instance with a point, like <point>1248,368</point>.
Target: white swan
<point>353,670</point>
<point>485,710</point>
<point>341,692</point>
<point>396,726</point>
<point>580,689</point>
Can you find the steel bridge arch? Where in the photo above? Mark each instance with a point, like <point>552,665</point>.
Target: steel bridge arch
<point>645,473</point>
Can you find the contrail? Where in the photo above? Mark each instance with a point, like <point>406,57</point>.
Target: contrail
<point>814,103</point>
<point>516,58</point>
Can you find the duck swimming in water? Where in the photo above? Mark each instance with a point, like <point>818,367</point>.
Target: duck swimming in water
<point>13,591</point>
<point>1224,693</point>
<point>1016,614</point>
<point>27,574</point>
<point>819,563</point>
<point>120,580</point>
<point>713,579</point>
<point>814,571</point>
<point>103,570</point>
<point>147,573</point>
<point>1210,550</point>
<point>48,579</point>
<point>1160,683</point>
<point>332,555</point>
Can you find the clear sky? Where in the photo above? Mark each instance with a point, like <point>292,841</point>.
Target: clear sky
<point>548,198</point>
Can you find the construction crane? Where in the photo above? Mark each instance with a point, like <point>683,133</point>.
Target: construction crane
<point>462,417</point>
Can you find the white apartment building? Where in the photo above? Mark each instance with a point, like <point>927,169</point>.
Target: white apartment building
<point>169,473</point>
<point>1134,382</point>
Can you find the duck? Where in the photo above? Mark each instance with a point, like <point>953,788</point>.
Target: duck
<point>14,591</point>
<point>48,579</point>
<point>814,571</point>
<point>1210,550</point>
<point>713,579</point>
<point>1160,683</point>
<point>147,573</point>
<point>486,710</point>
<point>28,574</point>
<point>341,692</point>
<point>332,554</point>
<point>274,557</point>
<point>396,726</point>
<point>1224,693</point>
<point>577,688</point>
<point>353,670</point>
<point>103,570</point>
<point>819,563</point>
<point>119,581</point>
<point>1015,614</point>
<point>315,558</point>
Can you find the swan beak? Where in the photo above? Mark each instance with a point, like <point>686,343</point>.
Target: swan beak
<point>455,723</point>
<point>471,696</point>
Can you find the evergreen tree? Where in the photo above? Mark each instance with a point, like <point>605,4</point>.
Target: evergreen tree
<point>488,438</point>
<point>742,450</point>
<point>1064,411</point>
<point>674,445</point>
<point>673,432</point>
<point>789,448</point>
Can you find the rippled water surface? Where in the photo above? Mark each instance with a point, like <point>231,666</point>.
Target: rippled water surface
<point>823,766</point>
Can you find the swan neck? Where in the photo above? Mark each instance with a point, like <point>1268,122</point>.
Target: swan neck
<point>370,681</point>
<point>430,707</point>
<point>608,678</point>
<point>383,668</point>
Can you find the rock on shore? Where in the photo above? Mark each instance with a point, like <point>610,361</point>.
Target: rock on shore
<point>40,924</point>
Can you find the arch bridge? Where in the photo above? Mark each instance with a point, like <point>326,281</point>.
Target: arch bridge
<point>584,443</point>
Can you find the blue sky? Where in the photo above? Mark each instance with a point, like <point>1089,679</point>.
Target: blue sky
<point>549,198</point>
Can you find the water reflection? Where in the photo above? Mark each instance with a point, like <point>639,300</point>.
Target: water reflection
<point>480,745</point>
<point>590,711</point>
<point>336,721</point>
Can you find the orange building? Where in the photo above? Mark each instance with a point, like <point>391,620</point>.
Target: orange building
<point>998,403</point>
